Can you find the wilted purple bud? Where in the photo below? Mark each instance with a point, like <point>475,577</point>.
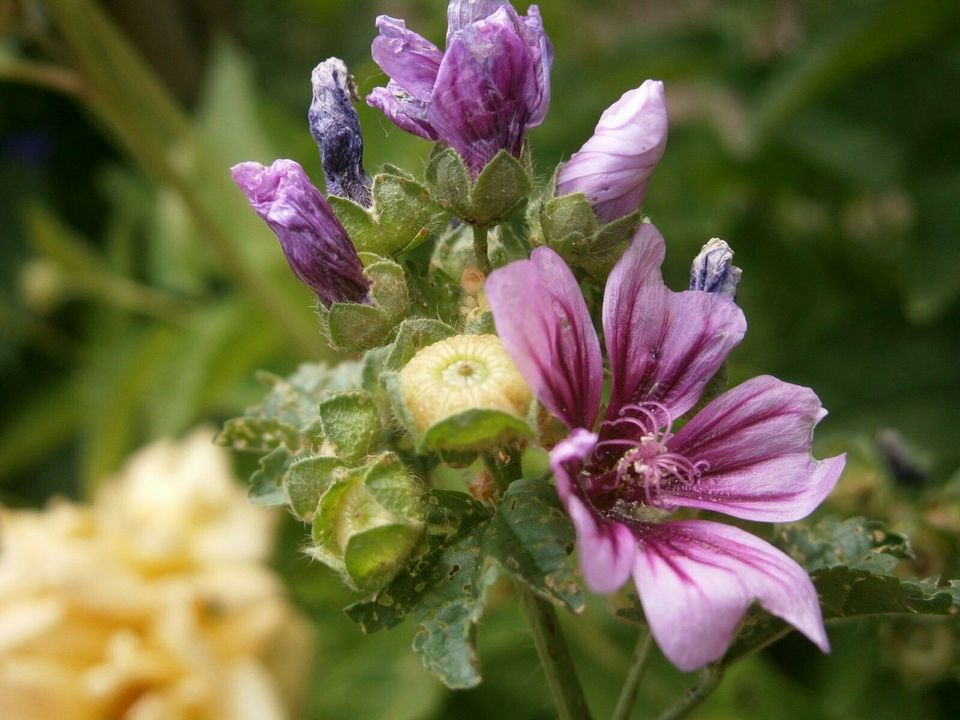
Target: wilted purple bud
<point>336,128</point>
<point>613,167</point>
<point>713,270</point>
<point>317,247</point>
<point>480,96</point>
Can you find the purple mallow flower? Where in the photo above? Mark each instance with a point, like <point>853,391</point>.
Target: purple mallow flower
<point>613,167</point>
<point>482,94</point>
<point>746,454</point>
<point>317,247</point>
<point>336,129</point>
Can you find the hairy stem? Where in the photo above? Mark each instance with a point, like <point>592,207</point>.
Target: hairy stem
<point>480,249</point>
<point>630,686</point>
<point>555,658</point>
<point>695,694</point>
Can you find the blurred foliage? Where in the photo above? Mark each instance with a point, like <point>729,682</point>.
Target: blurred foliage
<point>138,294</point>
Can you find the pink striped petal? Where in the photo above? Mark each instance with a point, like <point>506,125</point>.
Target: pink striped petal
<point>696,579</point>
<point>755,443</point>
<point>607,549</point>
<point>544,323</point>
<point>663,346</point>
<point>407,58</point>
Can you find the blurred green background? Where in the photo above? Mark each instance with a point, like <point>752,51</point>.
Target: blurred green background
<point>138,293</point>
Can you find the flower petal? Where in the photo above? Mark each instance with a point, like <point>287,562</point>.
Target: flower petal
<point>541,53</point>
<point>486,90</point>
<point>606,549</point>
<point>461,13</point>
<point>410,60</point>
<point>615,164</point>
<point>544,323</point>
<point>696,579</point>
<point>404,111</point>
<point>755,441</point>
<point>663,346</point>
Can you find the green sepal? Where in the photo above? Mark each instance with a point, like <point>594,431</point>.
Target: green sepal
<point>448,178</point>
<point>479,322</point>
<point>569,225</point>
<point>352,327</point>
<point>414,335</point>
<point>307,479</point>
<point>475,429</point>
<point>402,215</point>
<point>350,423</point>
<point>388,289</point>
<point>406,213</point>
<point>501,188</point>
<point>368,523</point>
<point>358,222</point>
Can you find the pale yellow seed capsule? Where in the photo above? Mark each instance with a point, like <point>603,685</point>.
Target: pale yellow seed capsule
<point>464,372</point>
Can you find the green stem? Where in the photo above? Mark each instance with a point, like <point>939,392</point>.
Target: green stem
<point>630,686</point>
<point>555,658</point>
<point>696,694</point>
<point>480,249</point>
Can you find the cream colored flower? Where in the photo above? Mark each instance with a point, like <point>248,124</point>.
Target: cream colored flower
<point>151,604</point>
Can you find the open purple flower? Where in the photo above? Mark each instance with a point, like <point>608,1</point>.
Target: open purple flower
<point>613,167</point>
<point>316,245</point>
<point>480,96</point>
<point>746,454</point>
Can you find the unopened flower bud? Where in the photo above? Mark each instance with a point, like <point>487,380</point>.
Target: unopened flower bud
<point>335,127</point>
<point>368,524</point>
<point>461,373</point>
<point>482,94</point>
<point>613,167</point>
<point>713,270</point>
<point>316,246</point>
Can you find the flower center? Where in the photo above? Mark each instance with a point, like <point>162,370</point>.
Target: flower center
<point>645,468</point>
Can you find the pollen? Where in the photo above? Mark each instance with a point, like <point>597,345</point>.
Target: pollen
<point>464,372</point>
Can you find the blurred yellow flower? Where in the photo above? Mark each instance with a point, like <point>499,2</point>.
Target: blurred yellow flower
<point>154,603</point>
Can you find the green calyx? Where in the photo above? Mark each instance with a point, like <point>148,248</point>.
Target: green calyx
<point>570,227</point>
<point>501,188</point>
<point>368,522</point>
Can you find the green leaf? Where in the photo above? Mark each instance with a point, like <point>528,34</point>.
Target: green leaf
<point>531,537</point>
<point>856,543</point>
<point>350,423</point>
<point>475,429</point>
<point>851,563</point>
<point>290,407</point>
<point>258,434</point>
<point>847,593</point>
<point>266,484</point>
